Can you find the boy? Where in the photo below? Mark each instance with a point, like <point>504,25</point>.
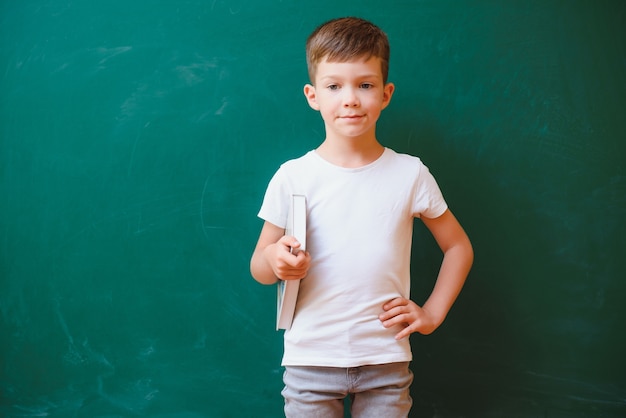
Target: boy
<point>353,316</point>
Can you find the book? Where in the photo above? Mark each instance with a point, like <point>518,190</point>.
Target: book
<point>288,289</point>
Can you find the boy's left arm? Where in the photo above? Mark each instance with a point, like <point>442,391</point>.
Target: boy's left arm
<point>458,257</point>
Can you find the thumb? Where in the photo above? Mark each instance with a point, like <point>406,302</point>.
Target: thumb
<point>295,245</point>
<point>290,242</point>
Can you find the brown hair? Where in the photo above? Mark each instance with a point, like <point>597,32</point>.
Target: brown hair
<point>344,39</point>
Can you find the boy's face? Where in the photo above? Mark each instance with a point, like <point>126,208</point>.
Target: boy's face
<point>350,96</point>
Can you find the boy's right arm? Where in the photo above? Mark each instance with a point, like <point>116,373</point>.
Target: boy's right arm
<point>272,258</point>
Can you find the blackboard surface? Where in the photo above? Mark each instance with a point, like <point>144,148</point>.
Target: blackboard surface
<point>136,141</point>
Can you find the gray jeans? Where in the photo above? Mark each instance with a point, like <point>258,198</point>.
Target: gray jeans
<point>375,391</point>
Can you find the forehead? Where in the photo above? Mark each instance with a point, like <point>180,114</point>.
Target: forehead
<point>358,67</point>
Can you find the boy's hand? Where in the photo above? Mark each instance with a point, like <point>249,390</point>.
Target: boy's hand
<point>285,263</point>
<point>413,318</point>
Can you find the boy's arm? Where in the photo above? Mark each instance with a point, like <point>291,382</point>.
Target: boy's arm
<point>272,258</point>
<point>457,261</point>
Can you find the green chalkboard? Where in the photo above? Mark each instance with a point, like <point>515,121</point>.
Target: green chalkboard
<point>136,141</point>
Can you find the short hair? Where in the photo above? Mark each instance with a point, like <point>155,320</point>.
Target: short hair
<point>344,39</point>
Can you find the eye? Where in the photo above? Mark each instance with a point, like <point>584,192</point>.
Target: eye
<point>366,86</point>
<point>333,87</point>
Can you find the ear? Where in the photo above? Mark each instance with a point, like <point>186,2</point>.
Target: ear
<point>387,93</point>
<point>309,93</point>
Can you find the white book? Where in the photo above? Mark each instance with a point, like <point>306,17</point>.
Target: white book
<point>288,289</point>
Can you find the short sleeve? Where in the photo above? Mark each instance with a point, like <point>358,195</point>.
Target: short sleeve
<point>274,207</point>
<point>428,201</point>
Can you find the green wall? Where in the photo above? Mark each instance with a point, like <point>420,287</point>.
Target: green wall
<point>136,141</point>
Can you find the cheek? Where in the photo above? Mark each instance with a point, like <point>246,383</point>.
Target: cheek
<point>327,106</point>
<point>374,106</point>
<point>327,114</point>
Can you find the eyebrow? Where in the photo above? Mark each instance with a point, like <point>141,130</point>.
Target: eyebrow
<point>359,77</point>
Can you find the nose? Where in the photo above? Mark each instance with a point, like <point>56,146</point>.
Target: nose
<point>350,98</point>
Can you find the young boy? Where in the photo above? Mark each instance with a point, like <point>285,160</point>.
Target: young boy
<point>353,316</point>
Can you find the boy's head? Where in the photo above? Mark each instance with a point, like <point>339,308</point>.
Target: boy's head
<point>346,39</point>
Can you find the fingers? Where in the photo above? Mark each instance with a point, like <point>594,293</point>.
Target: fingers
<point>399,301</point>
<point>406,332</point>
<point>404,312</point>
<point>290,266</point>
<point>396,312</point>
<point>290,243</point>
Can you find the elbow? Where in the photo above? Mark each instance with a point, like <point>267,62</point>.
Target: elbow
<point>265,280</point>
<point>468,251</point>
<point>463,252</point>
<point>261,275</point>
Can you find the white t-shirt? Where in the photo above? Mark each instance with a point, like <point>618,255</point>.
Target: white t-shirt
<point>360,223</point>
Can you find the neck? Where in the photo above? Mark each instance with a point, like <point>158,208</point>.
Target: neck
<point>350,152</point>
